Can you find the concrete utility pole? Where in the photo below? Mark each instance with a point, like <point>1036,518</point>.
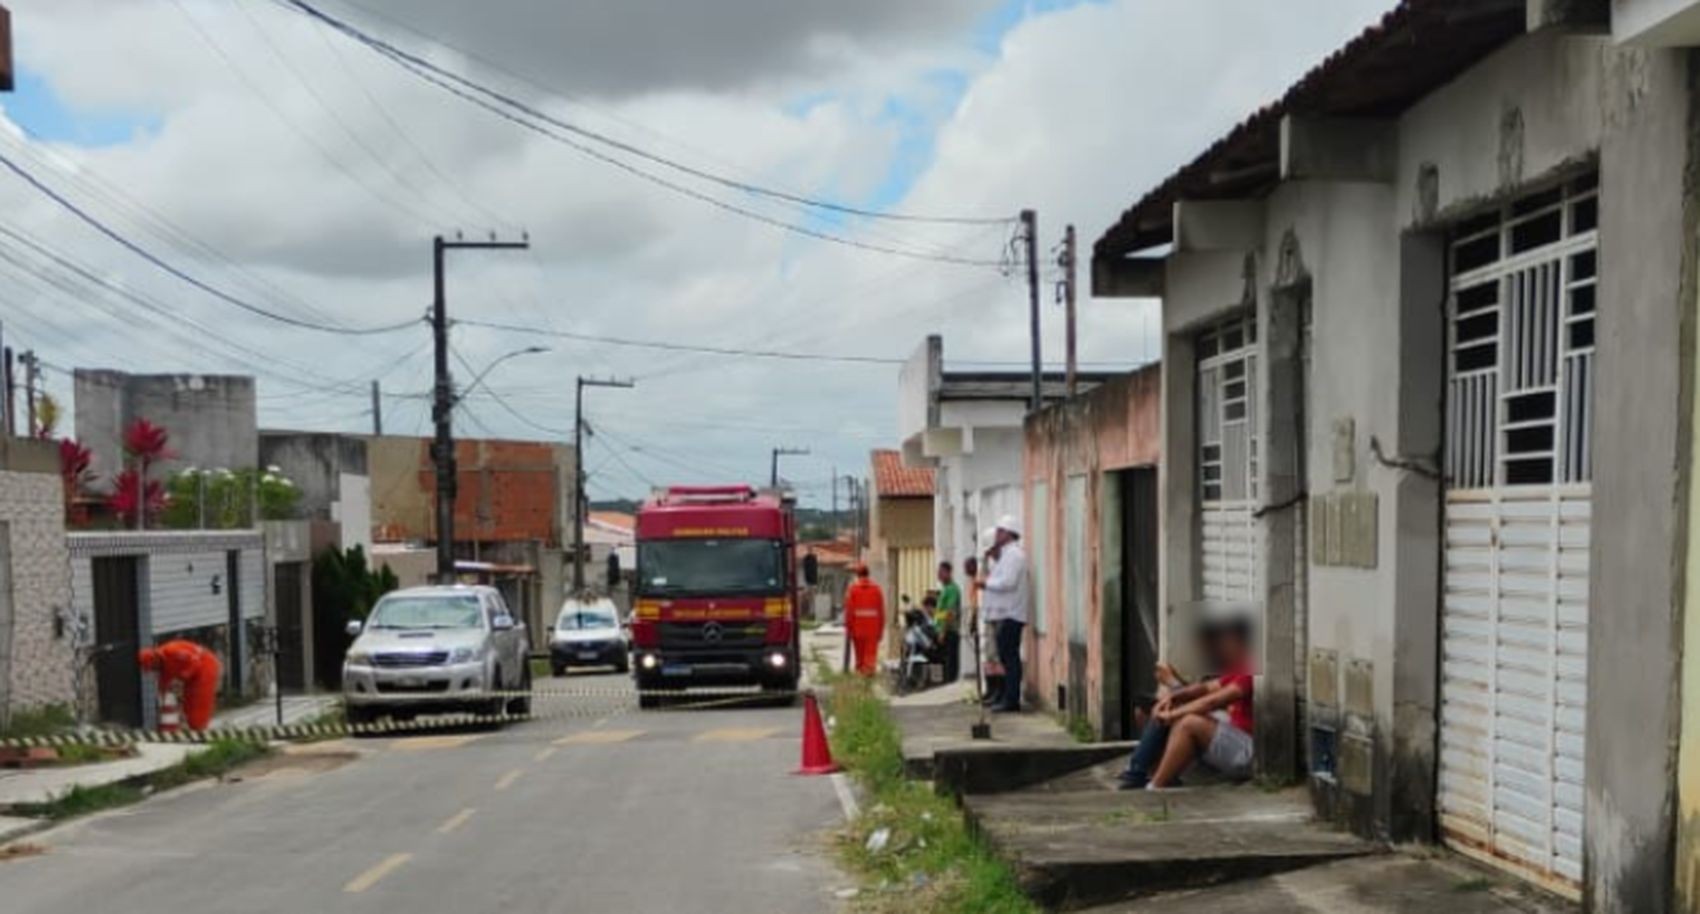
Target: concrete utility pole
<point>32,377</point>
<point>1030,241</point>
<point>579,503</point>
<point>778,452</point>
<point>1067,262</point>
<point>377,409</point>
<point>443,402</point>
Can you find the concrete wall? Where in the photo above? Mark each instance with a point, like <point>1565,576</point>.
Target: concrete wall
<point>330,472</point>
<point>1081,442</point>
<point>211,418</point>
<point>37,645</point>
<point>1644,351</point>
<point>1660,23</point>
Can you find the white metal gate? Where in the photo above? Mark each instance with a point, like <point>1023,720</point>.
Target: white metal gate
<point>1518,464</point>
<point>1227,461</point>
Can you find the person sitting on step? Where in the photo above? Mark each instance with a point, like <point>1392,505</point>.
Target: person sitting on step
<point>1208,721</point>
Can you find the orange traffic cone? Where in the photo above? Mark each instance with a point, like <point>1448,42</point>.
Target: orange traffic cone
<point>817,754</point>
<point>170,720</point>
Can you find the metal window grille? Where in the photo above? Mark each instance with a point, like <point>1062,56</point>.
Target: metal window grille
<point>1227,412</point>
<point>1520,342</point>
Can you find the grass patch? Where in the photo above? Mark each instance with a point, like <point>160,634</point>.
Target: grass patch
<point>219,758</point>
<point>1472,885</point>
<point>1079,728</point>
<point>540,668</point>
<point>83,754</point>
<point>929,862</point>
<point>43,721</point>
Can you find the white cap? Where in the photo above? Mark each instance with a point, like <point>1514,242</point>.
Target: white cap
<point>1009,524</point>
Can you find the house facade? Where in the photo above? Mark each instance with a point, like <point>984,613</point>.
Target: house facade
<point>1091,536</point>
<point>1427,369</point>
<point>900,553</point>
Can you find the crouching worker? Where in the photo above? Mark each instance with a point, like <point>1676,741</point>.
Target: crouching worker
<point>195,667</point>
<point>1208,721</point>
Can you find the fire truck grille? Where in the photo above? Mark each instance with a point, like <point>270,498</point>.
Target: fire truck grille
<point>713,634</point>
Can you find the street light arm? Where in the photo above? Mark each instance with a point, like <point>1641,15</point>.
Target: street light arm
<point>479,378</point>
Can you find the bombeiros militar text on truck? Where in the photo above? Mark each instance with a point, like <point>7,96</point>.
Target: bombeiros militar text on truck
<point>715,601</point>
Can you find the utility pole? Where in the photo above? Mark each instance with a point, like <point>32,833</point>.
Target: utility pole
<point>377,409</point>
<point>778,452</point>
<point>11,394</point>
<point>835,519</point>
<point>443,401</point>
<point>1069,259</point>
<point>579,503</point>
<point>32,378</point>
<point>1030,241</point>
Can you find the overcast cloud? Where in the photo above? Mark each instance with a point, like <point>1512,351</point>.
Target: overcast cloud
<point>309,174</point>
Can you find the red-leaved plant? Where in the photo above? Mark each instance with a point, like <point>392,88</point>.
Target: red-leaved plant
<point>76,470</point>
<point>134,496</point>
<point>130,493</point>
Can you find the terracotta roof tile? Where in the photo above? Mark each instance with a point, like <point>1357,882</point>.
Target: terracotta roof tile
<point>894,480</point>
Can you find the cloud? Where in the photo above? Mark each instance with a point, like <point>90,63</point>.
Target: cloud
<point>310,175</point>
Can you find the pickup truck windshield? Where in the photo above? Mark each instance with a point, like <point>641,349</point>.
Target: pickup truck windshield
<point>707,567</point>
<point>425,612</point>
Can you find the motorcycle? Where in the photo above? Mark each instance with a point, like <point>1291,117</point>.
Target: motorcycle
<point>923,646</point>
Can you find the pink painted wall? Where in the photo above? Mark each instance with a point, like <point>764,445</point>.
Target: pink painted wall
<point>1114,427</point>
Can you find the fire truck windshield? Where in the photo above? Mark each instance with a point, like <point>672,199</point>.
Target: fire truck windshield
<point>711,567</point>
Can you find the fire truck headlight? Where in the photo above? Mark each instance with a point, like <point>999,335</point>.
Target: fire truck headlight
<point>648,661</point>
<point>776,660</point>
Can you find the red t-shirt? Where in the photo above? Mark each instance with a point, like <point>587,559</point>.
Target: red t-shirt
<point>1239,713</point>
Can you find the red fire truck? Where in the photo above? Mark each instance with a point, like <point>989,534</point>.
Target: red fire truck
<point>715,601</point>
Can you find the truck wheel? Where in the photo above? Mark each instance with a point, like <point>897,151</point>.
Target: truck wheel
<point>359,717</point>
<point>522,704</point>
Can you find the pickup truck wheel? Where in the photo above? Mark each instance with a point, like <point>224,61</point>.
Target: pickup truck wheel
<point>625,663</point>
<point>522,704</point>
<point>358,717</point>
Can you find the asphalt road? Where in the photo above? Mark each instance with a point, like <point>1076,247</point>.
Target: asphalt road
<point>671,810</point>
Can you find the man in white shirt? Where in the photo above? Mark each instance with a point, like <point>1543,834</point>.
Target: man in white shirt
<point>1008,594</point>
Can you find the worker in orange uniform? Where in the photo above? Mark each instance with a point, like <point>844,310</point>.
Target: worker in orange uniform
<point>864,617</point>
<point>195,667</point>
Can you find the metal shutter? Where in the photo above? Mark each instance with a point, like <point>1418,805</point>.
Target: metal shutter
<point>1518,465</point>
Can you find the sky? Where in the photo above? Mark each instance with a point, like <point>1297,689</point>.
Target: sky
<point>233,157</point>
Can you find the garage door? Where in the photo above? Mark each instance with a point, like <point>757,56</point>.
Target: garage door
<point>916,574</point>
<point>1518,465</point>
<point>1227,461</point>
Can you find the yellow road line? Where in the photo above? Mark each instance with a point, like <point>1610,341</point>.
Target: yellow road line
<point>509,779</point>
<point>455,821</point>
<point>370,878</point>
<point>544,755</point>
<point>734,735</point>
<point>598,737</point>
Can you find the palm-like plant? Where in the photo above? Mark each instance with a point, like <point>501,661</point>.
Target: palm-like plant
<point>76,470</point>
<point>134,496</point>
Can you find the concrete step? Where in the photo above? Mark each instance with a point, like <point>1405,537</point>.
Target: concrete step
<point>1384,884</point>
<point>1077,849</point>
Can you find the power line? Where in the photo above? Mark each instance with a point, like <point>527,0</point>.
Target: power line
<point>161,264</point>
<point>446,80</point>
<point>393,51</point>
<point>681,347</point>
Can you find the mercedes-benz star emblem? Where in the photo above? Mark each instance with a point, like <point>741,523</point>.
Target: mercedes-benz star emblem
<point>712,632</point>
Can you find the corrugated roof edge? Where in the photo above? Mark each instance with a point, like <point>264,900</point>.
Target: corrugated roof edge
<point>1477,27</point>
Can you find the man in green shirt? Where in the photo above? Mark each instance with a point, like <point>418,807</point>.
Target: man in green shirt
<point>948,618</point>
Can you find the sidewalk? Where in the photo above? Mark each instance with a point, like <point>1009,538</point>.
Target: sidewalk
<point>297,709</point>
<point>1048,806</point>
